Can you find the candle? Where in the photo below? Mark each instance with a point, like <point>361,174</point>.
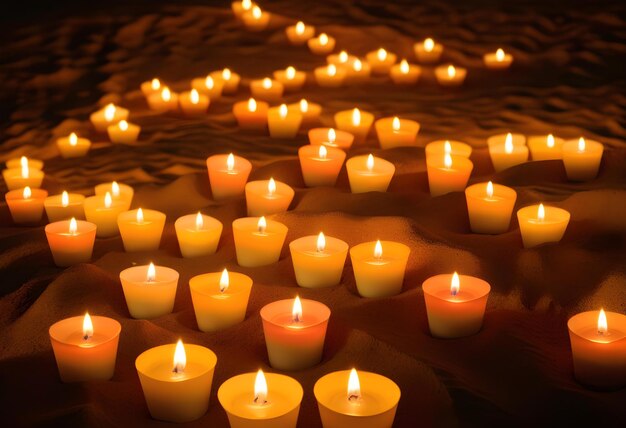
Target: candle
<point>149,290</point>
<point>176,380</point>
<point>598,341</point>
<point>256,19</point>
<point>379,267</point>
<point>265,197</point>
<point>582,159</point>
<point>228,175</point>
<point>193,103</point>
<point>209,86</point>
<point>318,260</point>
<point>150,87</point>
<point>26,205</point>
<point>295,331</point>
<point>448,174</point>
<point>230,80</point>
<point>395,132</point>
<point>321,45</point>
<point>220,299</point>
<point>108,115</point>
<point>141,229</point>
<point>545,147</point>
<point>439,148</point>
<point>103,212</point>
<point>455,304</point>
<point>502,139</point>
<point>240,7</point>
<point>359,71</point>
<point>490,207</point>
<point>257,400</point>
<point>320,164</point>
<point>310,111</point>
<point>72,146</point>
<point>23,160</point>
<point>85,348</point>
<point>198,234</point>
<point>119,192</point>
<point>498,60</point>
<point>449,75</point>
<point>282,122</point>
<point>251,114</point>
<point>291,79</point>
<point>258,242</point>
<point>381,61</point>
<point>507,155</point>
<point>64,206</point>
<point>428,51</point>
<point>71,241</point>
<point>405,73</point>
<point>267,89</point>
<point>356,122</point>
<point>341,59</point>
<point>330,137</point>
<point>123,132</point>
<point>163,101</point>
<point>299,34</point>
<point>540,224</point>
<point>18,178</point>
<point>351,399</point>
<point>369,174</point>
<point>329,76</point>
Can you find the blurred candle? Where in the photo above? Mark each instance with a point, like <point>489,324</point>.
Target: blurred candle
<point>310,111</point>
<point>108,115</point>
<point>23,160</point>
<point>545,147</point>
<point>331,137</point>
<point>26,205</point>
<point>367,173</point>
<point>265,197</point>
<point>329,76</point>
<point>582,159</point>
<point>502,139</point>
<point>405,73</point>
<point>450,75</point>
<point>149,290</point>
<point>150,87</point>
<point>228,175</point>
<point>163,101</point>
<point>299,34</point>
<point>342,59</point>
<point>119,192</point>
<point>251,114</point>
<point>356,122</point>
<point>240,7</point>
<point>198,234</point>
<point>291,79</point>
<point>267,89</point>
<point>428,51</point>
<point>439,148</point>
<point>540,224</point>
<point>209,86</point>
<point>379,267</point>
<point>141,229</point>
<point>193,102</point>
<point>318,260</point>
<point>381,61</point>
<point>395,132</point>
<point>72,146</point>
<point>320,165</point>
<point>256,19</point>
<point>507,155</point>
<point>230,80</point>
<point>498,60</point>
<point>282,122</point>
<point>64,206</point>
<point>103,212</point>
<point>490,207</point>
<point>359,71</point>
<point>22,176</point>
<point>123,132</point>
<point>71,241</point>
<point>321,45</point>
<point>258,242</point>
<point>448,174</point>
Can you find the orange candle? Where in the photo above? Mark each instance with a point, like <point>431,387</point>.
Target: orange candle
<point>198,234</point>
<point>141,229</point>
<point>265,197</point>
<point>251,114</point>
<point>450,75</point>
<point>356,122</point>
<point>299,34</point>
<point>318,260</point>
<point>283,122</point>
<point>267,89</point>
<point>23,176</point>
<point>320,164</point>
<point>118,191</point>
<point>582,159</point>
<point>454,148</point>
<point>23,160</point>
<point>498,60</point>
<point>448,174</point>
<point>369,174</point>
<point>507,155</point>
<point>228,175</point>
<point>310,111</point>
<point>123,132</point>
<point>240,7</point>
<point>230,80</point>
<point>540,224</point>
<point>149,290</point>
<point>381,61</point>
<point>545,147</point>
<point>502,139</point>
<point>71,241</point>
<point>256,19</point>
<point>150,87</point>
<point>291,79</point>
<point>26,205</point>
<point>329,76</point>
<point>103,212</point>
<point>379,267</point>
<point>395,132</point>
<point>405,73</point>
<point>321,45</point>
<point>258,242</point>
<point>490,207</point>
<point>209,86</point>
<point>428,51</point>
<point>342,59</point>
<point>72,146</point>
<point>163,101</point>
<point>359,71</point>
<point>109,115</point>
<point>330,137</point>
<point>193,103</point>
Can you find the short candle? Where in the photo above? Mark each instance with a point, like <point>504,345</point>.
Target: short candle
<point>123,132</point>
<point>582,159</point>
<point>381,61</point>
<point>291,79</point>
<point>229,78</point>
<point>240,7</point>
<point>318,260</point>
<point>26,205</point>
<point>501,139</point>
<point>450,75</point>
<point>330,76</point>
<point>341,59</point>
<point>379,267</point>
<point>119,192</point>
<point>258,242</point>
<point>331,137</point>
<point>71,241</point>
<point>299,34</point>
<point>23,160</point>
<point>109,115</point>
<point>310,111</point>
<point>193,102</point>
<point>448,173</point>
<point>265,197</point>
<point>267,89</point>
<point>150,87</point>
<point>283,122</point>
<point>163,101</point>
<point>359,71</point>
<point>498,60</point>
<point>439,148</point>
<point>141,229</point>
<point>228,175</point>
<point>209,86</point>
<point>507,155</point>
<point>149,290</point>
<point>395,132</point>
<point>321,45</point>
<point>405,73</point>
<point>103,212</point>
<point>367,173</point>
<point>428,51</point>
<point>545,147</point>
<point>540,224</point>
<point>320,165</point>
<point>256,19</point>
<point>198,234</point>
<point>356,122</point>
<point>72,146</point>
<point>23,176</point>
<point>251,114</point>
<point>490,207</point>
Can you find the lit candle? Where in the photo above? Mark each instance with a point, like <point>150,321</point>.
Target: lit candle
<point>447,174</point>
<point>582,159</point>
<point>299,34</point>
<point>103,212</point>
<point>251,114</point>
<point>545,147</point>
<point>450,75</point>
<point>220,299</point>
<point>267,89</point>
<point>23,160</point>
<point>598,341</point>
<point>141,229</point>
<point>163,101</point>
<point>265,197</point>
<point>428,51</point>
<point>351,399</point>
<point>490,207</point>
<point>381,61</point>
<point>320,165</point>
<point>256,19</point>
<point>64,206</point>
<point>294,332</point>
<point>193,102</point>
<point>395,132</point>
<point>149,290</point>
<point>356,122</point>
<point>123,132</point>
<point>367,173</point>
<point>209,86</point>
<point>258,242</point>
<point>405,73</point>
<point>498,60</point>
<point>71,241</point>
<point>150,87</point>
<point>108,115</point>
<point>240,7</point>
<point>230,80</point>
<point>310,111</point>
<point>540,224</point>
<point>330,76</point>
<point>291,79</point>
<point>455,304</point>
<point>342,59</point>
<point>439,148</point>
<point>379,267</point>
<point>507,155</point>
<point>502,139</point>
<point>322,44</point>
<point>198,234</point>
<point>359,71</point>
<point>72,146</point>
<point>228,175</point>
<point>22,176</point>
<point>176,380</point>
<point>26,205</point>
<point>318,260</point>
<point>85,348</point>
<point>257,400</point>
<point>330,137</point>
<point>283,122</point>
<point>119,192</point>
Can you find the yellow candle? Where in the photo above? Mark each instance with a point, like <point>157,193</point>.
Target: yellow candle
<point>318,260</point>
<point>428,51</point>
<point>450,75</point>
<point>18,178</point>
<point>149,290</point>
<point>258,242</point>
<point>498,60</point>
<point>490,207</point>
<point>123,132</point>
<point>103,212</point>
<point>405,73</point>
<point>359,71</point>
<point>379,267</point>
<point>356,122</point>
<point>267,89</point>
<point>310,111</point>
<point>251,114</point>
<point>240,7</point>
<point>507,155</point>
<point>502,139</point>
<point>369,174</point>
<point>220,299</point>
<point>109,115</point>
<point>85,348</point>
<point>71,241</point>
<point>119,192</point>
<point>256,19</point>
<point>342,59</point>
<point>64,206</point>
<point>209,86</point>
<point>265,197</point>
<point>283,122</point>
<point>26,205</point>
<point>381,61</point>
<point>582,159</point>
<point>448,174</point>
<point>540,224</point>
<point>141,229</point>
<point>23,160</point>
<point>176,381</point>
<point>228,175</point>
<point>150,87</point>
<point>351,399</point>
<point>321,45</point>
<point>395,132</point>
<point>330,137</point>
<point>291,79</point>
<point>230,80</point>
<point>193,103</point>
<point>320,164</point>
<point>258,400</point>
<point>299,34</point>
<point>439,148</point>
<point>545,147</point>
<point>163,101</point>
<point>72,146</point>
<point>198,234</point>
<point>329,76</point>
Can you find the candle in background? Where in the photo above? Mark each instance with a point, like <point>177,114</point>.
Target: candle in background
<point>85,348</point>
<point>282,122</point>
<point>141,229</point>
<point>490,207</point>
<point>582,159</point>
<point>230,80</point>
<point>198,234</point>
<point>163,101</point>
<point>455,304</point>
<point>342,59</point>
<point>321,45</point>
<point>448,174</point>
<point>450,75</point>
<point>379,267</point>
<point>291,79</point>
<point>395,132</point>
<point>598,341</point>
<point>123,132</point>
<point>405,73</point>
<point>23,160</point>
<point>193,102</point>
<point>72,146</point>
<point>64,206</point>
<point>240,7</point>
<point>108,115</point>
<point>176,380</point>
<point>251,114</point>
<point>26,205</point>
<point>320,165</point>
<point>149,290</point>
<point>349,399</point>
<point>310,111</point>
<point>228,175</point>
<point>356,122</point>
<point>540,224</point>
<point>265,197</point>
<point>119,192</point>
<point>507,155</point>
<point>359,72</point>
<point>299,34</point>
<point>331,137</point>
<point>367,173</point>
<point>329,76</point>
<point>150,87</point>
<point>267,89</point>
<point>103,212</point>
<point>209,86</point>
<point>71,241</point>
<point>258,242</point>
<point>257,400</point>
<point>545,147</point>
<point>318,260</point>
<point>256,19</point>
<point>498,60</point>
<point>220,299</point>
<point>381,61</point>
<point>439,148</point>
<point>428,51</point>
<point>23,176</point>
<point>295,330</point>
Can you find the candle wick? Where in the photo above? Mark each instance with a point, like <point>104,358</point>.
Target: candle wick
<point>296,318</point>
<point>177,370</point>
<point>86,337</point>
<point>454,292</point>
<point>257,400</point>
<point>354,397</point>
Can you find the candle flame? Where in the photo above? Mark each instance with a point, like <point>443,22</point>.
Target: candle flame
<point>87,327</point>
<point>199,221</point>
<point>23,161</point>
<point>354,386</point>
<point>447,147</point>
<point>323,38</point>
<point>271,186</point>
<point>107,200</point>
<point>251,105</point>
<point>343,56</point>
<point>282,111</point>
<point>490,190</point>
<point>123,125</point>
<point>267,83</point>
<point>73,139</point>
<point>65,199</point>
<point>151,273</point>
<point>451,71</point>
<point>603,326</point>
<point>25,169</point>
<point>27,193</point>
<point>321,242</point>
<point>541,212</point>
<point>370,162</point>
<point>73,226</point>
<point>357,65</point>
<point>332,135</point>
<point>155,84</point>
<point>508,143</point>
<point>356,117</point>
<point>304,105</point>
<point>378,250</point>
<point>209,82</point>
<point>290,72</point>
<point>550,140</point>
<point>404,66</point>
<point>262,224</point>
<point>256,12</point>
<point>109,112</point>
<point>166,94</point>
<point>296,311</point>
<point>115,189</point>
<point>194,97</point>
<point>180,358</point>
<point>455,284</point>
<point>447,160</point>
<point>395,123</point>
<point>246,4</point>
<point>429,45</point>
<point>139,216</point>
<point>499,55</point>
<point>581,144</point>
<point>260,388</point>
<point>300,27</point>
<point>224,281</point>
<point>381,54</point>
<point>322,152</point>
<point>331,70</point>
<point>226,74</point>
<point>230,162</point>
